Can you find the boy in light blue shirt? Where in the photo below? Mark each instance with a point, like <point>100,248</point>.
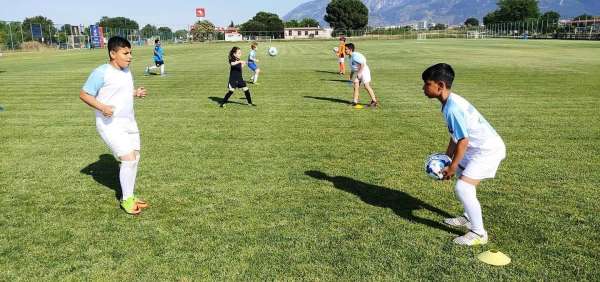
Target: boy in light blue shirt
<point>360,74</point>
<point>252,60</point>
<point>475,148</point>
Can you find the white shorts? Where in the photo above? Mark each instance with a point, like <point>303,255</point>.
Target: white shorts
<point>480,166</point>
<point>341,60</point>
<point>121,135</point>
<point>364,78</point>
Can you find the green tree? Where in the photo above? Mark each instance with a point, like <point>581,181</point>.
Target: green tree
<point>262,23</point>
<point>48,28</point>
<point>165,32</point>
<point>148,31</point>
<point>292,23</point>
<point>470,22</point>
<point>346,15</point>
<point>513,11</point>
<point>439,27</point>
<point>203,30</point>
<point>308,22</point>
<point>551,17</point>
<point>118,26</point>
<point>231,24</point>
<point>181,34</point>
<point>583,17</point>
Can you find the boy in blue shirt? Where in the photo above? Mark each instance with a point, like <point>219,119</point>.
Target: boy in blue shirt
<point>360,74</point>
<point>159,63</point>
<point>252,60</point>
<point>475,148</point>
<point>110,91</point>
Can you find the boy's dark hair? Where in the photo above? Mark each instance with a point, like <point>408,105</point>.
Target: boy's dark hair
<point>156,41</point>
<point>350,46</point>
<point>253,45</point>
<point>117,42</point>
<point>232,58</point>
<point>439,72</point>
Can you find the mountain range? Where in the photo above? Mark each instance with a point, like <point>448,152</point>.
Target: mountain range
<point>401,12</point>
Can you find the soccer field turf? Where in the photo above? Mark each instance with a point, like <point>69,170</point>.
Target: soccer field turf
<point>301,186</point>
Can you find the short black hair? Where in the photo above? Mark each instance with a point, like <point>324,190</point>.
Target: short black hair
<point>439,72</point>
<point>116,42</point>
<point>156,41</point>
<point>350,46</point>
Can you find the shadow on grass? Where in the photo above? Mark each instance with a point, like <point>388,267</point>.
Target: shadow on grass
<point>106,172</point>
<point>331,72</point>
<point>400,202</point>
<point>335,100</point>
<point>218,100</point>
<point>338,80</point>
<point>1,71</point>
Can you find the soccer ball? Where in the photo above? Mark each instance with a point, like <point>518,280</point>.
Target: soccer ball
<point>336,49</point>
<point>434,165</point>
<point>273,51</point>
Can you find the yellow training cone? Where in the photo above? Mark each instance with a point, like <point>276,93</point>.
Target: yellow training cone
<point>494,257</point>
<point>358,106</point>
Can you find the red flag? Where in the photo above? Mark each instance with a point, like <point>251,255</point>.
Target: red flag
<point>200,12</point>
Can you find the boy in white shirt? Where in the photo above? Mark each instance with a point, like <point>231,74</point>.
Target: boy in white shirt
<point>110,91</point>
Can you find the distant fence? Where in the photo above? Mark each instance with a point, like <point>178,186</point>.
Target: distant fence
<point>19,36</point>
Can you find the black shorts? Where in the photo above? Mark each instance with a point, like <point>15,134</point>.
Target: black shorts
<point>236,84</point>
<point>159,63</point>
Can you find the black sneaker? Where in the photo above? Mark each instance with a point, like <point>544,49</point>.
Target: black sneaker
<point>221,105</point>
<point>373,104</point>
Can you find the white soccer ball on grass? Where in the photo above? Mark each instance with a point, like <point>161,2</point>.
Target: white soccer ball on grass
<point>272,51</point>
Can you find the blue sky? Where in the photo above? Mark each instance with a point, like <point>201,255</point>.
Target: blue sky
<point>172,13</point>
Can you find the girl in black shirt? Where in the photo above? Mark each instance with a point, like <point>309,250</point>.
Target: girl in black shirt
<point>235,76</point>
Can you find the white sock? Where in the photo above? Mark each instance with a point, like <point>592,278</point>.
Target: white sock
<point>255,77</point>
<point>162,69</point>
<point>127,176</point>
<point>466,194</point>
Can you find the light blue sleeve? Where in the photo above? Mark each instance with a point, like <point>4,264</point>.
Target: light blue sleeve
<point>252,55</point>
<point>457,124</point>
<point>95,81</point>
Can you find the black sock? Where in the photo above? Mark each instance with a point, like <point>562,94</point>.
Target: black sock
<point>226,98</point>
<point>247,93</point>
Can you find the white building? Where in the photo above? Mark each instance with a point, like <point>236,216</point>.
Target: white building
<point>307,32</point>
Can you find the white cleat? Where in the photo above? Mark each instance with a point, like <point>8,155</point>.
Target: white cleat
<point>471,239</point>
<point>460,221</point>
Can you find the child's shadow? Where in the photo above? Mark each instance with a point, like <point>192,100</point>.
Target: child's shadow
<point>401,203</point>
<point>335,100</point>
<point>106,172</point>
<point>219,100</point>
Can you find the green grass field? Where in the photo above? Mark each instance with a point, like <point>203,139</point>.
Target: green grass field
<point>301,187</point>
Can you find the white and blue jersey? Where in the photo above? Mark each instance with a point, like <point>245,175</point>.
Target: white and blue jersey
<point>464,121</point>
<point>358,59</point>
<point>114,87</point>
<point>252,55</point>
<point>252,60</point>
<point>158,54</point>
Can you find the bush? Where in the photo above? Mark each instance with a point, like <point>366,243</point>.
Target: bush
<point>32,45</point>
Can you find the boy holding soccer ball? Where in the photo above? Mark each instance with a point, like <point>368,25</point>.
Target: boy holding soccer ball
<point>475,148</point>
<point>110,91</point>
